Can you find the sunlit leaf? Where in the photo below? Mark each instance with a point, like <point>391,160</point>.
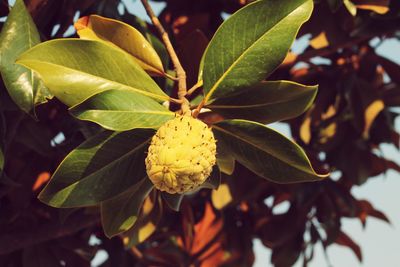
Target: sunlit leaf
<point>99,169</point>
<point>250,44</point>
<point>121,110</point>
<point>122,35</point>
<point>120,213</point>
<point>265,152</point>
<point>350,7</point>
<point>371,112</point>
<point>18,34</point>
<point>378,6</point>
<point>305,130</point>
<point>320,41</point>
<point>75,69</point>
<point>267,102</point>
<point>221,197</point>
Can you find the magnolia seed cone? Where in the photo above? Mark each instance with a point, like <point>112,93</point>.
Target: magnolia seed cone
<point>181,155</point>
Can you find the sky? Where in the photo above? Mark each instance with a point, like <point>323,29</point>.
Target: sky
<point>379,241</point>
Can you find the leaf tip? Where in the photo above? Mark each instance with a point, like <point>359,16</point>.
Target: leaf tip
<point>81,23</point>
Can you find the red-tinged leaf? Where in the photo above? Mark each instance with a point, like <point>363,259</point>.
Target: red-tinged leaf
<point>344,240</point>
<point>41,180</point>
<point>206,230</point>
<point>381,165</point>
<point>366,209</point>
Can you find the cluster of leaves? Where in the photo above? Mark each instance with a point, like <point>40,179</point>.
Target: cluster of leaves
<point>344,119</point>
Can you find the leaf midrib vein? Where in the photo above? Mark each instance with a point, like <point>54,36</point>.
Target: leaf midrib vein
<point>209,94</point>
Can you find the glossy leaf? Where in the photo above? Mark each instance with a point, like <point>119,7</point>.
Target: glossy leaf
<point>267,102</point>
<point>265,151</point>
<point>120,213</point>
<point>120,110</point>
<point>18,34</point>
<point>122,35</point>
<point>75,69</point>
<point>251,44</point>
<point>99,169</point>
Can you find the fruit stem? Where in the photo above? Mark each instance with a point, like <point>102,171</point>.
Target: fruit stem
<point>180,72</point>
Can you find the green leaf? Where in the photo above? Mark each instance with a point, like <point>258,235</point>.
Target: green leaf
<point>146,224</point>
<point>214,180</point>
<point>122,35</point>
<point>251,44</point>
<point>122,110</point>
<point>75,69</point>
<point>225,161</point>
<point>99,169</point>
<point>173,200</point>
<point>265,151</point>
<point>267,102</point>
<point>19,33</point>
<point>120,213</point>
<point>350,7</point>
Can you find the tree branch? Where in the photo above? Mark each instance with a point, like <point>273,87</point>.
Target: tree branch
<point>180,72</point>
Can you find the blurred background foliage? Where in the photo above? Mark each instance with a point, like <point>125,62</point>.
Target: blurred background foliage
<point>342,132</point>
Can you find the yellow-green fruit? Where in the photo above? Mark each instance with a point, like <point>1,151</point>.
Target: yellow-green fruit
<point>181,155</point>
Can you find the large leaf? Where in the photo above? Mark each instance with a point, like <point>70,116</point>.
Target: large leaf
<point>146,225</point>
<point>120,213</point>
<point>122,110</point>
<point>267,102</point>
<point>19,33</point>
<point>75,69</point>
<point>251,44</point>
<point>265,151</point>
<point>99,169</point>
<point>122,35</point>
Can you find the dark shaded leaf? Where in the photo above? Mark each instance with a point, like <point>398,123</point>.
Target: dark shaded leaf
<point>344,240</point>
<point>120,213</point>
<point>267,102</point>
<point>99,169</point>
<point>265,152</point>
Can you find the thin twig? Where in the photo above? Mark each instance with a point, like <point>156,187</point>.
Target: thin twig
<point>194,88</point>
<point>180,72</point>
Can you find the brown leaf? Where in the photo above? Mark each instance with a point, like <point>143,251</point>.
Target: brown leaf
<point>366,209</point>
<point>344,240</point>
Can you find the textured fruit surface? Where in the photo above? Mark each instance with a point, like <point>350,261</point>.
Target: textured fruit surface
<point>181,155</point>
